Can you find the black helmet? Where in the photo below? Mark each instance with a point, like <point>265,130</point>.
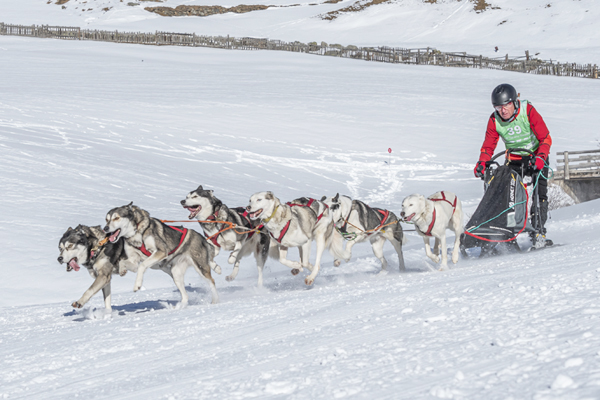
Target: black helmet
<point>504,94</point>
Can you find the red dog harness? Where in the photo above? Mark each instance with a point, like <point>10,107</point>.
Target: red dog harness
<point>183,232</point>
<point>385,214</point>
<point>428,233</point>
<point>245,215</point>
<point>287,226</point>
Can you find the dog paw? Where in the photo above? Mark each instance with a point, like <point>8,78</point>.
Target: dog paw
<point>217,269</point>
<point>232,258</point>
<point>137,287</point>
<point>309,281</point>
<point>122,271</point>
<point>229,278</point>
<point>295,271</point>
<point>76,304</point>
<point>337,263</point>
<point>443,268</point>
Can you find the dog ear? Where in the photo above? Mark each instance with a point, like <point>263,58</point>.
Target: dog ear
<point>269,196</point>
<point>85,231</point>
<point>97,231</point>
<point>200,188</point>
<point>337,197</point>
<point>323,198</point>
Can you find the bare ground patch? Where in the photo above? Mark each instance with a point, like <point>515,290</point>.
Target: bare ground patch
<point>203,11</point>
<point>356,7</point>
<point>479,6</point>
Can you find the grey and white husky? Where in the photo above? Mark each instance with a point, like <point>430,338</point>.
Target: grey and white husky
<point>149,243</point>
<point>357,222</point>
<point>241,241</point>
<point>81,246</point>
<point>295,224</point>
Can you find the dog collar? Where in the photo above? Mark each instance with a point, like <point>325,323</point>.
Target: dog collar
<point>272,215</point>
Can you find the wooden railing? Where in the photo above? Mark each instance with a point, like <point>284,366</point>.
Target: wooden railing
<point>578,165</point>
<point>424,56</point>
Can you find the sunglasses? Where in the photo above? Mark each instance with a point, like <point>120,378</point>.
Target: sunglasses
<point>498,108</point>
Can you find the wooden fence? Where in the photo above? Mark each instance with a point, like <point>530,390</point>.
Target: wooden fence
<point>578,165</point>
<point>424,56</point>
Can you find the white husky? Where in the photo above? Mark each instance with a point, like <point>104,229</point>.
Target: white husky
<point>295,224</point>
<point>432,216</point>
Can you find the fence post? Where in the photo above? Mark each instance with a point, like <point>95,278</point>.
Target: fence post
<point>566,155</point>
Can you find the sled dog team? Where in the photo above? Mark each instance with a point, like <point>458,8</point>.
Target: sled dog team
<point>133,241</point>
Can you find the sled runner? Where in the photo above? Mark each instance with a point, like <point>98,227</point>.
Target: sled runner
<point>503,212</point>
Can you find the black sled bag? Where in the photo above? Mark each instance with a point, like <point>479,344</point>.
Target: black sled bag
<point>502,212</point>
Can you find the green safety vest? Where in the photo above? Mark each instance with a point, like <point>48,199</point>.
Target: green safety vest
<point>517,133</point>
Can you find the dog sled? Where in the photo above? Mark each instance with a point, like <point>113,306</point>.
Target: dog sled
<point>503,213</point>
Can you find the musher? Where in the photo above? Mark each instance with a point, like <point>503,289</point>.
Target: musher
<point>519,125</point>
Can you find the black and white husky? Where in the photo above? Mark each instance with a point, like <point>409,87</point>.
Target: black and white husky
<point>242,241</point>
<point>296,224</point>
<point>149,243</point>
<point>357,222</point>
<point>432,216</point>
<point>82,246</point>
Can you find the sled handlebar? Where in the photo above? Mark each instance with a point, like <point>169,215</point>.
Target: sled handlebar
<point>507,152</point>
<point>493,161</point>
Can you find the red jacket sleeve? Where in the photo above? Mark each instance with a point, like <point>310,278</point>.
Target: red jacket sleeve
<point>491,140</point>
<point>539,128</point>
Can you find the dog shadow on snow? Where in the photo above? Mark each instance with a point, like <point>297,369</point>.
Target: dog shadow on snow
<point>275,283</point>
<point>98,312</point>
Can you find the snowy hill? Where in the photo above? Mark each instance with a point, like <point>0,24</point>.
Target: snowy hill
<point>563,30</point>
<point>85,127</point>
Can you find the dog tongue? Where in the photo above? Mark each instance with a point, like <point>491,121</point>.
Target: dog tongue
<point>73,264</point>
<point>113,237</point>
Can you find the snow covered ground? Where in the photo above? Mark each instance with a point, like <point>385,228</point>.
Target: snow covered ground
<point>85,127</point>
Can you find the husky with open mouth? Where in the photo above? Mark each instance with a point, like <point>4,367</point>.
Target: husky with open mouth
<point>295,224</point>
<point>357,222</point>
<point>85,246</point>
<point>149,243</point>
<point>432,216</point>
<point>242,241</point>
